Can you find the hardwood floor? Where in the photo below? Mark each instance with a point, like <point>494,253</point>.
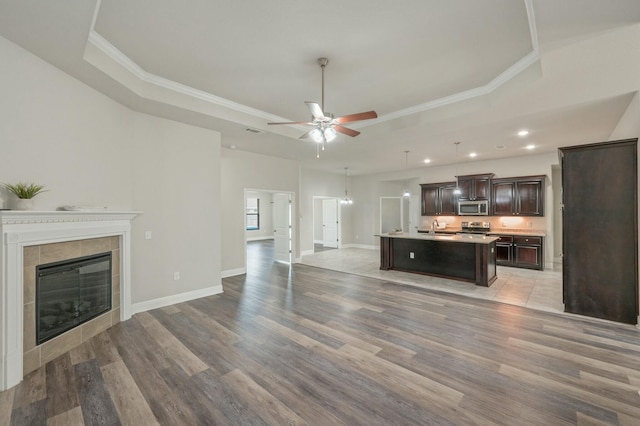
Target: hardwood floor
<point>304,345</point>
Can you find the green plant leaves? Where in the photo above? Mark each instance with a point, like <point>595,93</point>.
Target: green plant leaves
<point>25,190</point>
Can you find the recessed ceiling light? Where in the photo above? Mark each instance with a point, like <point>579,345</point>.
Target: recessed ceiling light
<point>530,147</point>
<point>500,147</point>
<point>473,154</point>
<point>522,133</point>
<point>427,160</point>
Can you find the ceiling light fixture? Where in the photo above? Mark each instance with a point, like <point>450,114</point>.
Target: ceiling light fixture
<point>457,190</point>
<point>406,192</point>
<point>530,147</point>
<point>522,133</point>
<point>326,126</point>
<point>473,155</point>
<point>427,160</point>
<point>346,199</point>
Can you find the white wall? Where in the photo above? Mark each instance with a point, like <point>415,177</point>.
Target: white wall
<point>242,170</point>
<point>176,183</point>
<point>318,231</point>
<point>266,216</point>
<point>629,124</point>
<point>89,150</point>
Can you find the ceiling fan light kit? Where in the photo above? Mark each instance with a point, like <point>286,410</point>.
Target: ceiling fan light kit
<point>326,127</point>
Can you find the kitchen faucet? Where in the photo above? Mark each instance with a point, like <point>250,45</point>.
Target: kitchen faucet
<point>434,224</point>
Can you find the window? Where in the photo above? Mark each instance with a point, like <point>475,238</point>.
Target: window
<point>253,214</point>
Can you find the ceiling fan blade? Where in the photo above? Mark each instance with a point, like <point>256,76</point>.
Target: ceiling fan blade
<point>295,122</point>
<point>316,111</point>
<point>346,131</point>
<point>356,117</point>
<point>307,135</point>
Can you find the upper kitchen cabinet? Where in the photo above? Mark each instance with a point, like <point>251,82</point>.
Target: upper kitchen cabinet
<point>521,196</point>
<point>439,199</point>
<point>475,187</point>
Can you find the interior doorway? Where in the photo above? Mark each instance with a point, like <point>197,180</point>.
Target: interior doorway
<point>326,223</point>
<point>268,228</point>
<point>392,214</point>
<point>399,213</point>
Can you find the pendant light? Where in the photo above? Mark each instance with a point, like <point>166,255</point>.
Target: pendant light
<point>346,199</point>
<point>457,190</point>
<point>406,192</point>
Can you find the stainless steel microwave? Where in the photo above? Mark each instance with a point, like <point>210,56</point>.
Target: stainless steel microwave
<point>473,208</point>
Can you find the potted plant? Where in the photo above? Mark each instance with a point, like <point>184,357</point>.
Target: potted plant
<point>25,193</point>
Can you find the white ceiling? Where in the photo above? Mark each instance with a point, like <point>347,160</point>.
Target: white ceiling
<point>474,71</point>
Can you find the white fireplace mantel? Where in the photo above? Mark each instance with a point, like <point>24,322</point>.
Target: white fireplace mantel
<point>26,228</point>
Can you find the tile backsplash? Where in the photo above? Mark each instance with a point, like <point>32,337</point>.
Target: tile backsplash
<point>497,222</point>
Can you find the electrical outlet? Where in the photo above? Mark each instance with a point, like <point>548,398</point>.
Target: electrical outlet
<point>411,255</point>
<point>176,276</point>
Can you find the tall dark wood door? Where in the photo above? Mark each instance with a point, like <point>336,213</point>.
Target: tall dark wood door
<point>600,230</point>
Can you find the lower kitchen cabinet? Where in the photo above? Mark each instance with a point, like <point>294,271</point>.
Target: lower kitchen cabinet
<point>520,251</point>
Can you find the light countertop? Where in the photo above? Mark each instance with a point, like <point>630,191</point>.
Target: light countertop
<point>475,239</point>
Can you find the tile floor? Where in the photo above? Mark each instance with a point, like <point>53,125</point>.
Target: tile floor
<point>540,290</point>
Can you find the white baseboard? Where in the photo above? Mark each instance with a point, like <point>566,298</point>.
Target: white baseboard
<point>362,246</point>
<point>269,237</point>
<point>318,241</point>
<point>306,252</point>
<point>233,272</point>
<point>176,298</point>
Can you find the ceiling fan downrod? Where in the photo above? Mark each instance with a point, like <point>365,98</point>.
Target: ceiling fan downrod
<point>323,63</point>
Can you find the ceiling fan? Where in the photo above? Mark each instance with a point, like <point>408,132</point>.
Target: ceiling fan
<point>326,127</point>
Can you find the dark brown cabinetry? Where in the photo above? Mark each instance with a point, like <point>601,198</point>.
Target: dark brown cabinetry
<point>520,251</point>
<point>600,230</point>
<point>522,196</point>
<point>464,261</point>
<point>439,199</point>
<point>475,187</point>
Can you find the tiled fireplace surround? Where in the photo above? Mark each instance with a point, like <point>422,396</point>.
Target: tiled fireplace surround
<point>33,238</point>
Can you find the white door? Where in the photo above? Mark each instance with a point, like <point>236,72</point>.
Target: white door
<point>282,227</point>
<point>330,223</point>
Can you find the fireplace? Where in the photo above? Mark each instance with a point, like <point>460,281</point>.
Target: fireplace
<point>32,238</point>
<point>70,293</point>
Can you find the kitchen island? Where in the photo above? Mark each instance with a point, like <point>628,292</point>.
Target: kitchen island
<point>470,258</point>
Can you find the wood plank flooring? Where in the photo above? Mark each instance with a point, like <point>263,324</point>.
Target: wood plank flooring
<point>304,345</point>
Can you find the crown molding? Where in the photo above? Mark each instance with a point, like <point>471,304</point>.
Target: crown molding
<point>123,60</point>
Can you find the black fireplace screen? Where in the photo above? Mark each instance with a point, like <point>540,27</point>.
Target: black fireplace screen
<point>71,292</point>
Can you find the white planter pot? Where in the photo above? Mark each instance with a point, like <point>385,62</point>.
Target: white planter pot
<point>23,204</point>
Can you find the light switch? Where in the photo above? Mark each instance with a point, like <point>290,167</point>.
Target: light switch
<point>411,255</point>
<point>147,235</point>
